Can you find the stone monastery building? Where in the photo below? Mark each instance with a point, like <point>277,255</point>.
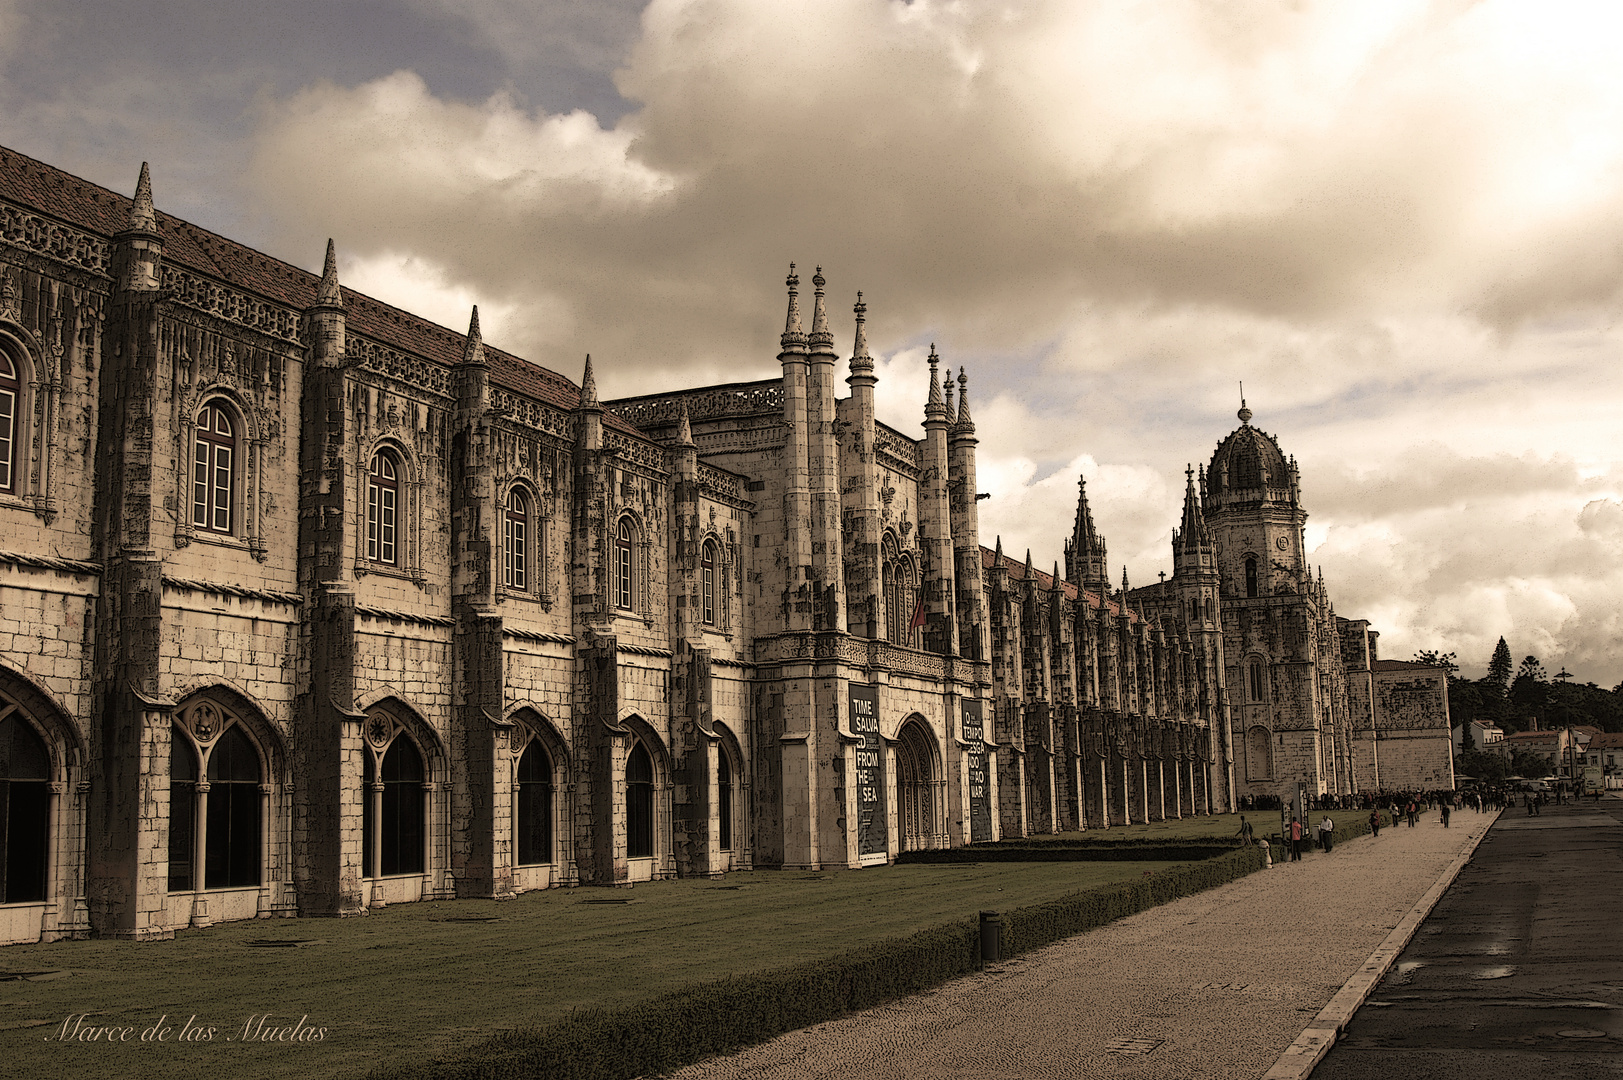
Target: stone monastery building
<point>308,605</point>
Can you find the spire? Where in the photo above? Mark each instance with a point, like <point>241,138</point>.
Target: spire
<point>821,340</point>
<point>997,555</point>
<point>793,339</point>
<point>1085,551</point>
<point>1124,584</point>
<point>327,293</point>
<point>965,424</point>
<point>1055,583</point>
<point>684,432</point>
<point>947,388</point>
<point>934,409</point>
<point>1245,414</point>
<point>588,387</point>
<point>861,362</point>
<point>143,218</point>
<point>1028,564</point>
<point>474,352</point>
<point>1194,532</point>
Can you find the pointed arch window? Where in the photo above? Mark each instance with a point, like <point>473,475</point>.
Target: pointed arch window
<point>25,800</point>
<point>393,819</point>
<point>624,563</point>
<point>215,809</point>
<point>707,581</point>
<point>516,541</point>
<point>1258,681</point>
<point>11,396</point>
<point>533,823</point>
<point>214,469</point>
<point>724,797</point>
<point>639,803</point>
<point>383,509</point>
<point>1251,575</point>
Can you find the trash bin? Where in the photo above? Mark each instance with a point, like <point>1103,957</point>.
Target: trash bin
<point>991,937</point>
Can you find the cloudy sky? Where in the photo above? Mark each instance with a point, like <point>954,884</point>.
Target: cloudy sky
<point>1399,224</point>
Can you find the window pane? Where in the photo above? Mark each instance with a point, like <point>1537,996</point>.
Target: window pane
<point>372,520</point>
<point>26,806</point>
<point>8,412</point>
<point>386,525</point>
<point>222,489</point>
<point>200,486</point>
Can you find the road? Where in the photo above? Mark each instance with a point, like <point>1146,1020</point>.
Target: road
<point>1517,972</point>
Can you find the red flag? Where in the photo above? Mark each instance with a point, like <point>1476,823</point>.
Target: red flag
<point>918,616</point>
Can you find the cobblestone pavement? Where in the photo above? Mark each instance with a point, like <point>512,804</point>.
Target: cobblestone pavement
<point>1215,985</point>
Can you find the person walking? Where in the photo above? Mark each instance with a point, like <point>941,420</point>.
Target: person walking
<point>1375,822</point>
<point>1445,815</point>
<point>1326,827</point>
<point>1296,839</point>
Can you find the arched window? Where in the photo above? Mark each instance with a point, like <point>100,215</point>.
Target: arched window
<point>233,858</point>
<point>639,803</point>
<point>887,585</point>
<point>229,806</point>
<point>532,824</point>
<point>1251,575</point>
<point>383,508</point>
<point>214,469</point>
<point>1211,610</point>
<point>182,810</point>
<point>398,847</point>
<point>724,798</point>
<point>909,603</point>
<point>1257,680</point>
<point>707,581</point>
<point>624,560</point>
<point>914,787</point>
<point>1259,754</point>
<point>25,799</point>
<point>11,396</point>
<point>516,541</point>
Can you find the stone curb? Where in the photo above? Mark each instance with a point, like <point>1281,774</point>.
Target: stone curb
<point>1304,1055</point>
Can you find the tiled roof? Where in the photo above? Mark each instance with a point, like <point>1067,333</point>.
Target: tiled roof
<point>1402,665</point>
<point>95,209</point>
<point>1017,572</point>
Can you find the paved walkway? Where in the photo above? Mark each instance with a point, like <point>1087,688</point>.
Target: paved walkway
<point>1216,985</point>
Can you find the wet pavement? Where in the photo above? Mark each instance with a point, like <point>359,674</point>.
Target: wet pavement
<point>1216,985</point>
<point>1517,972</point>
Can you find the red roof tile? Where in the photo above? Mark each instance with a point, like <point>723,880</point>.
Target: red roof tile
<point>95,209</point>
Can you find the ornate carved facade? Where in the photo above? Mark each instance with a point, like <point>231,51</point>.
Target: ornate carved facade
<point>311,606</point>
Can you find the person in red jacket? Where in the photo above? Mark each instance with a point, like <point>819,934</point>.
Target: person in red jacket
<point>1296,839</point>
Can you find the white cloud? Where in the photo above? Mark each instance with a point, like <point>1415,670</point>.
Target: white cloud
<point>1399,223</point>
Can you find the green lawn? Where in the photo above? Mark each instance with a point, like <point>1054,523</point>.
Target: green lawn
<point>425,978</point>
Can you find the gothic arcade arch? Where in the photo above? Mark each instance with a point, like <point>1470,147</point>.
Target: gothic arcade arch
<point>404,772</point>
<point>919,786</point>
<point>541,786</point>
<point>646,798</point>
<point>42,835</point>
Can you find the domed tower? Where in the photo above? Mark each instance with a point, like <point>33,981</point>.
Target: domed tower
<point>1273,620</point>
<point>1253,507</point>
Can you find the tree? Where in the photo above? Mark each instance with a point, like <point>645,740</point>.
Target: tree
<point>1529,694</point>
<point>1433,658</point>
<point>1481,764</point>
<point>1499,667</point>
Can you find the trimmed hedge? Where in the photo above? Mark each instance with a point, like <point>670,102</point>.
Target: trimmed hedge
<point>707,1019</point>
<point>1123,851</point>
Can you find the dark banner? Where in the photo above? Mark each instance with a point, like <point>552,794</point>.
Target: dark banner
<point>871,835</point>
<point>980,797</point>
